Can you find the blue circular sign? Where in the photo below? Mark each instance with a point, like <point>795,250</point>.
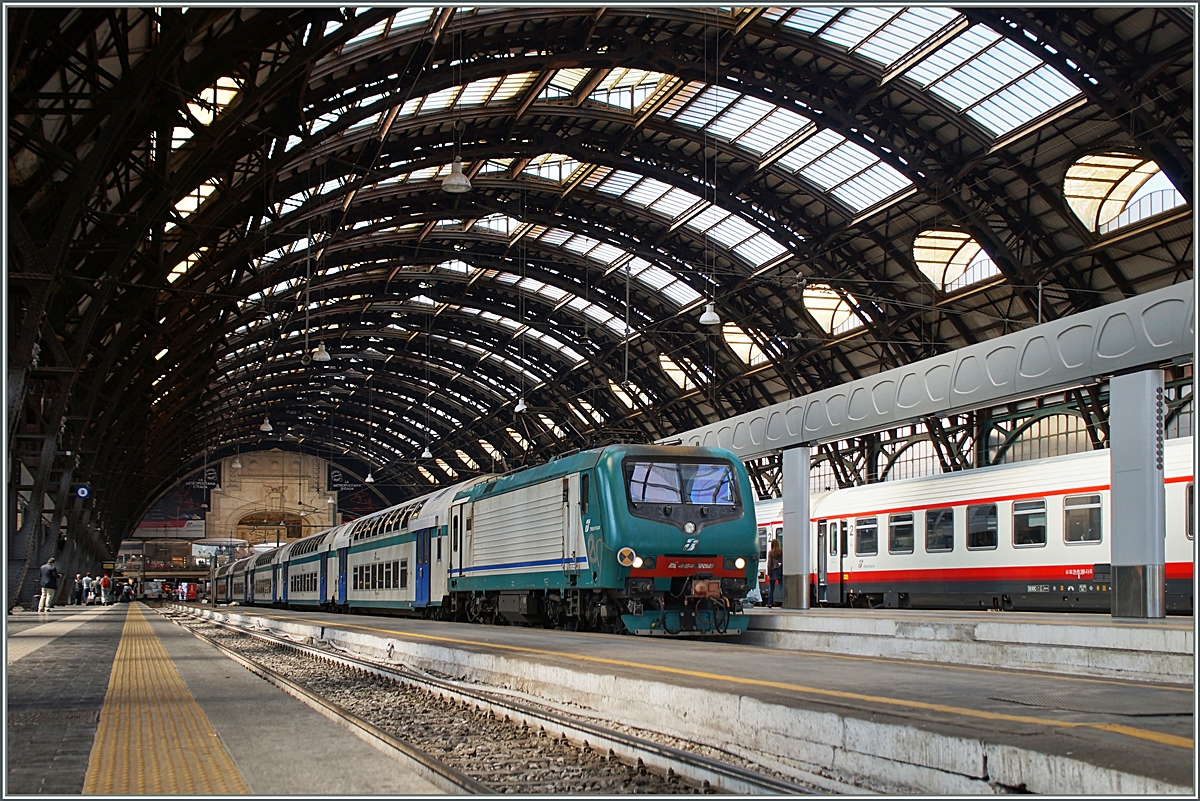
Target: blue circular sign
<point>82,492</point>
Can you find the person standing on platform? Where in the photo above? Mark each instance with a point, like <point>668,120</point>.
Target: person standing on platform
<point>87,588</point>
<point>105,590</point>
<point>77,591</point>
<point>775,573</point>
<point>49,581</point>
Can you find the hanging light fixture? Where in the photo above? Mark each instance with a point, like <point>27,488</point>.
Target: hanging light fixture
<point>710,315</point>
<point>425,454</point>
<point>236,464</point>
<point>456,182</point>
<point>370,479</point>
<point>320,354</point>
<point>330,500</point>
<point>520,407</point>
<point>266,426</point>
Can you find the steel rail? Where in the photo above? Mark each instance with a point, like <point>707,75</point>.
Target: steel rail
<point>702,771</point>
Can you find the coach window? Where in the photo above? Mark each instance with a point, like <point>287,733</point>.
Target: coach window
<point>403,573</point>
<point>762,542</point>
<point>939,530</point>
<point>981,527</point>
<point>866,540</point>
<point>1029,523</point>
<point>1081,518</point>
<point>900,533</point>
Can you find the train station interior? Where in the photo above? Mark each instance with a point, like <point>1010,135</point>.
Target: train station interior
<point>910,290</point>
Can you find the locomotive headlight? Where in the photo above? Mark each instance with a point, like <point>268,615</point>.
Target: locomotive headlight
<point>637,561</point>
<point>739,563</point>
<point>689,527</point>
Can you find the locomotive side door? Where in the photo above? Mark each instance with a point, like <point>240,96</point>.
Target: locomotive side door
<point>457,537</point>
<point>343,558</point>
<point>572,525</point>
<point>822,562</point>
<point>421,598</point>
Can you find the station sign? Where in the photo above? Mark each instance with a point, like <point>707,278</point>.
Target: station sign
<point>205,479</point>
<point>338,480</point>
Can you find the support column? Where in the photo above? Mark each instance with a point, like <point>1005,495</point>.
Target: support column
<point>797,541</point>
<point>1136,411</point>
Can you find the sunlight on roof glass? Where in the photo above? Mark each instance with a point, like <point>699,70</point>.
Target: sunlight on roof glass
<point>676,373</point>
<point>428,476</point>
<point>181,269</point>
<point>952,259</point>
<point>1108,191</point>
<point>742,344</point>
<point>552,426</point>
<point>552,167</point>
<point>447,469</point>
<point>832,313</point>
<point>586,412</point>
<point>492,452</point>
<point>210,102</point>
<point>518,438</point>
<point>627,392</point>
<point>466,459</point>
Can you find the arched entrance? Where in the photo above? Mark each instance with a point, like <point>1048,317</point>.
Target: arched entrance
<point>270,528</point>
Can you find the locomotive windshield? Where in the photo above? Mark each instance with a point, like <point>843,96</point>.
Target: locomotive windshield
<point>702,483</point>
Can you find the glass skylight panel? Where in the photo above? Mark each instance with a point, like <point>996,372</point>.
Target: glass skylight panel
<point>647,191</point>
<point>906,33</point>
<point>552,166</point>
<point>707,218</point>
<point>708,105</point>
<point>499,223</point>
<point>867,189</point>
<point>733,230</point>
<point>618,182</point>
<point>740,117</point>
<point>760,249</point>
<point>652,276</point>
<point>494,166</point>
<point>811,148</point>
<point>999,84</point>
<point>566,80</point>
<point>810,20</point>
<point>626,88</point>
<point>555,237</point>
<point>681,293</point>
<point>674,203</point>
<point>552,426</point>
<point>606,253</point>
<point>581,244</point>
<point>370,33</point>
<point>477,92</point>
<point>856,25</point>
<point>772,130</point>
<point>411,16</point>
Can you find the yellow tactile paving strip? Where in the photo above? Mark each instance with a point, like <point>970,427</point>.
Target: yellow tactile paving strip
<point>154,739</point>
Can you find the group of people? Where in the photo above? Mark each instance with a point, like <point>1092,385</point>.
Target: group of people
<point>87,590</point>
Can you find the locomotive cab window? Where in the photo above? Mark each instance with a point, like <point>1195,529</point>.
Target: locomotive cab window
<point>939,530</point>
<point>1081,518</point>
<point>900,533</point>
<point>982,527</point>
<point>866,537</point>
<point>707,483</point>
<point>1029,524</point>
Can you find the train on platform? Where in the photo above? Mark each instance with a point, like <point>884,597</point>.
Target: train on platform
<point>646,539</point>
<point>1032,535</point>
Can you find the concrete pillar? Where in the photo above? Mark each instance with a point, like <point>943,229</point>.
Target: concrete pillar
<point>797,542</point>
<point>1135,422</point>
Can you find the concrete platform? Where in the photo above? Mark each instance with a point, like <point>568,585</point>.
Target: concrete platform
<point>879,723</point>
<point>111,700</point>
<point>1075,644</point>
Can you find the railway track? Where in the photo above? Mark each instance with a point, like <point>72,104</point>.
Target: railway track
<point>468,739</point>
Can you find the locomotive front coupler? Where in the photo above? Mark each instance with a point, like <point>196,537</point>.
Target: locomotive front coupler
<point>703,585</point>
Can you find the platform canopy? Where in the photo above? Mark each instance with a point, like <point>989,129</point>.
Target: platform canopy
<point>221,216</point>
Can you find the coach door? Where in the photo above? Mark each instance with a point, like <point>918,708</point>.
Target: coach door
<point>822,562</point>
<point>572,535</point>
<point>421,599</point>
<point>343,558</point>
<point>322,582</point>
<point>283,585</point>
<point>839,543</point>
